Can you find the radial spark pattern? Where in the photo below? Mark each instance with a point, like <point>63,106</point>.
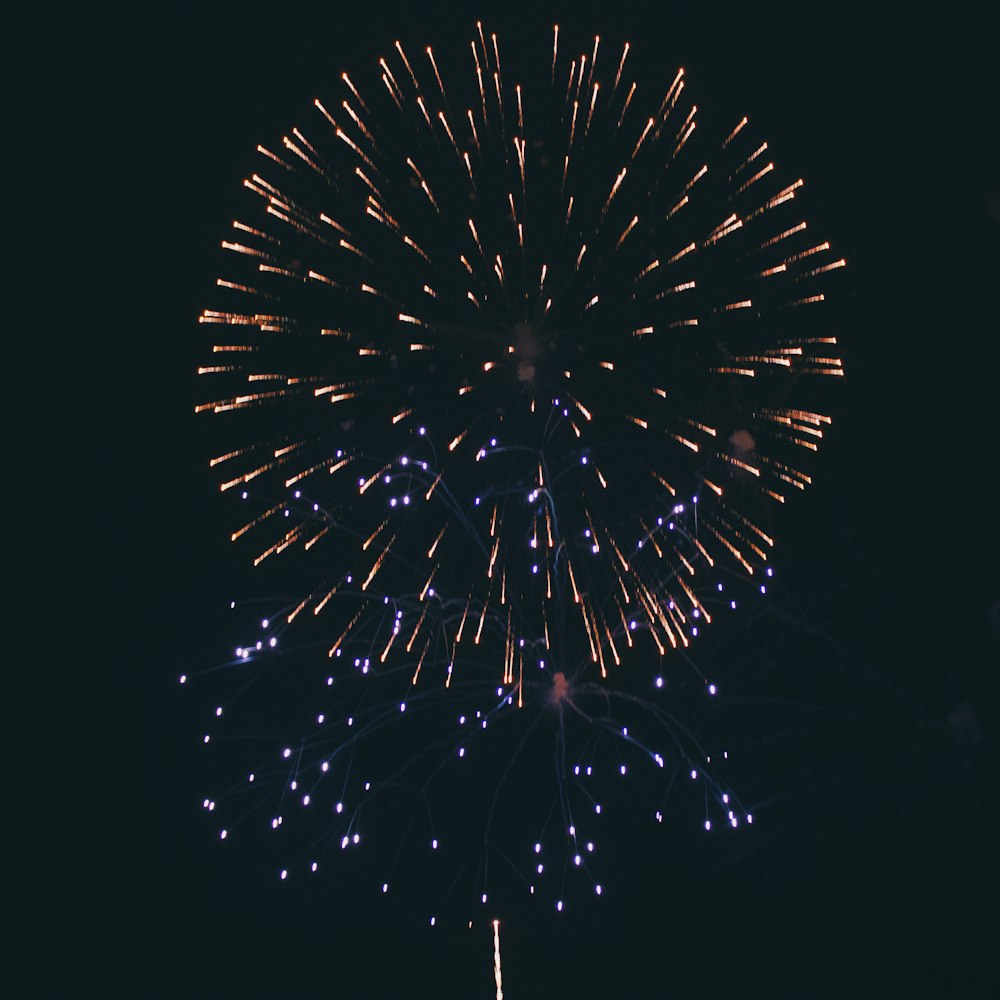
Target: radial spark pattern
<point>508,361</point>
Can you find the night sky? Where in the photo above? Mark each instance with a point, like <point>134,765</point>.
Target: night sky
<point>872,869</point>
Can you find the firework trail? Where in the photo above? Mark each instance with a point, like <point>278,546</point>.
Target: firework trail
<point>497,972</point>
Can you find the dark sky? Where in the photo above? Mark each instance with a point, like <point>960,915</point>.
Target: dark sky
<point>875,878</point>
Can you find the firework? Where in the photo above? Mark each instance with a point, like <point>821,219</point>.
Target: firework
<point>509,366</point>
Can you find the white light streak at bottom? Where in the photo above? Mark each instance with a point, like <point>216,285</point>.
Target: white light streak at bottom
<point>496,959</point>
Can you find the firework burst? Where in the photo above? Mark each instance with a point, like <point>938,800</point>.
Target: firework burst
<point>510,362</point>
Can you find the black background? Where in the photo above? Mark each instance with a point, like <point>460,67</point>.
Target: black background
<point>139,125</point>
